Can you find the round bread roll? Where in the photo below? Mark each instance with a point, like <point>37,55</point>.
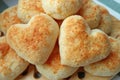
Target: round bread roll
<point>53,69</point>
<point>11,65</point>
<point>109,66</point>
<point>83,75</point>
<point>80,46</point>
<point>29,8</point>
<point>34,41</point>
<point>60,9</point>
<point>91,13</point>
<point>106,21</point>
<point>8,17</point>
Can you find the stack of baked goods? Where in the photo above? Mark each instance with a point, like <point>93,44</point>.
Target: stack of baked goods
<point>58,40</point>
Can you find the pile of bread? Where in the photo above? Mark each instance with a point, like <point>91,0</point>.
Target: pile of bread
<point>63,39</point>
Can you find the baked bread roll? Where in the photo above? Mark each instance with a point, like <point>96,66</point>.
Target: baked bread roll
<point>91,13</point>
<point>11,65</point>
<point>53,69</point>
<point>109,66</point>
<point>34,41</point>
<point>115,28</point>
<point>8,17</point>
<point>29,8</point>
<point>106,21</point>
<point>60,9</point>
<point>80,46</point>
<point>83,75</point>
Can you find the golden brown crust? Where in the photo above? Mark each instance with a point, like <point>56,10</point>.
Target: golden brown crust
<point>80,46</point>
<point>34,41</point>
<point>115,28</point>
<point>54,60</point>
<point>60,9</point>
<point>90,11</point>
<point>29,8</point>
<point>109,66</point>
<point>8,17</point>
<point>105,23</point>
<point>11,65</point>
<point>53,69</point>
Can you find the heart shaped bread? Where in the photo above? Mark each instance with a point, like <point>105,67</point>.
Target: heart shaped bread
<point>34,41</point>
<point>109,66</point>
<point>60,9</point>
<point>11,65</point>
<point>53,69</point>
<point>80,46</point>
<point>8,17</point>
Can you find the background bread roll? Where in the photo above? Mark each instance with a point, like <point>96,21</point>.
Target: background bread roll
<point>115,28</point>
<point>28,8</point>
<point>60,9</point>
<point>8,17</point>
<point>105,23</point>
<point>11,65</point>
<point>91,13</point>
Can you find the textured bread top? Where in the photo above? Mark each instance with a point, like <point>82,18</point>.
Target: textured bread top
<point>34,41</point>
<point>91,13</point>
<point>8,17</point>
<point>60,9</point>
<point>115,28</point>
<point>53,69</point>
<point>80,46</point>
<point>105,23</point>
<point>11,65</point>
<point>29,8</point>
<point>109,66</point>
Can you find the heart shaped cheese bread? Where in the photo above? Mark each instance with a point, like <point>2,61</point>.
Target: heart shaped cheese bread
<point>80,46</point>
<point>29,8</point>
<point>53,69</point>
<point>8,17</point>
<point>34,41</point>
<point>109,66</point>
<point>60,9</point>
<point>11,65</point>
